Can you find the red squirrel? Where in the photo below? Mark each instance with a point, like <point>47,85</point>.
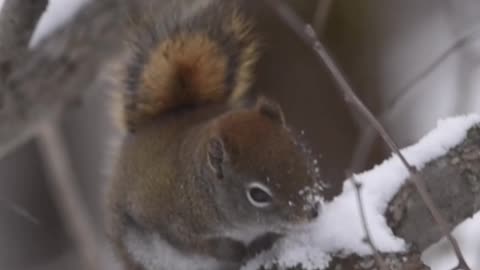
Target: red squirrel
<point>203,179</point>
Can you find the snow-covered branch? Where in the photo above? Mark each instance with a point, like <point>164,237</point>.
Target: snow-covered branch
<point>39,83</point>
<point>448,160</point>
<point>402,261</point>
<point>453,180</point>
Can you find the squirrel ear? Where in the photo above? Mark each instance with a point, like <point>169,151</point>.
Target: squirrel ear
<point>216,155</point>
<point>270,109</point>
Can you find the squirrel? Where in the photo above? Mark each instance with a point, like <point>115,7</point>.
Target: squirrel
<point>204,179</point>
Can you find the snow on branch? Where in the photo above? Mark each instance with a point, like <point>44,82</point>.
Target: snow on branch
<point>448,160</point>
<point>453,180</point>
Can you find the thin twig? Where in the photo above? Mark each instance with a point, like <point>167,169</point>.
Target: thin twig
<point>358,160</point>
<point>19,210</point>
<point>410,85</point>
<point>62,182</point>
<point>307,34</point>
<point>368,237</point>
<point>367,136</point>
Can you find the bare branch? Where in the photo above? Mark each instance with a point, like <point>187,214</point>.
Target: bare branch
<point>409,86</point>
<point>410,261</point>
<point>368,238</point>
<point>59,70</point>
<point>19,210</point>
<point>18,19</point>
<point>368,136</point>
<point>307,34</point>
<point>63,185</point>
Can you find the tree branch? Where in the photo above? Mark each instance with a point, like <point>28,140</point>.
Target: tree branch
<point>411,261</point>
<point>368,236</point>
<point>307,34</point>
<point>454,183</point>
<point>63,184</point>
<point>18,19</point>
<point>40,83</point>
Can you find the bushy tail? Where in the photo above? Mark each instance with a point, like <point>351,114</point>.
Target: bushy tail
<point>188,58</point>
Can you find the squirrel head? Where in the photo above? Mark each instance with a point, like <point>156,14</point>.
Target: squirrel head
<point>263,176</point>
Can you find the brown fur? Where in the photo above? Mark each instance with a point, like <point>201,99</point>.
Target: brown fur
<point>164,182</point>
<point>189,67</point>
<point>185,71</point>
<point>184,174</point>
<point>241,29</point>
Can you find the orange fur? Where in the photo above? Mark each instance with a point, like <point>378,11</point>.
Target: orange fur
<point>241,28</point>
<point>190,68</point>
<point>187,70</point>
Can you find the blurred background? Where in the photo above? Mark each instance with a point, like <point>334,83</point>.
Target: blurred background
<point>412,62</point>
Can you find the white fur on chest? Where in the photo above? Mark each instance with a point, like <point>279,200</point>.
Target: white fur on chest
<point>153,253</point>
<point>245,235</point>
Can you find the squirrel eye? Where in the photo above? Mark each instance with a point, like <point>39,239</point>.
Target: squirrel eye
<point>259,195</point>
